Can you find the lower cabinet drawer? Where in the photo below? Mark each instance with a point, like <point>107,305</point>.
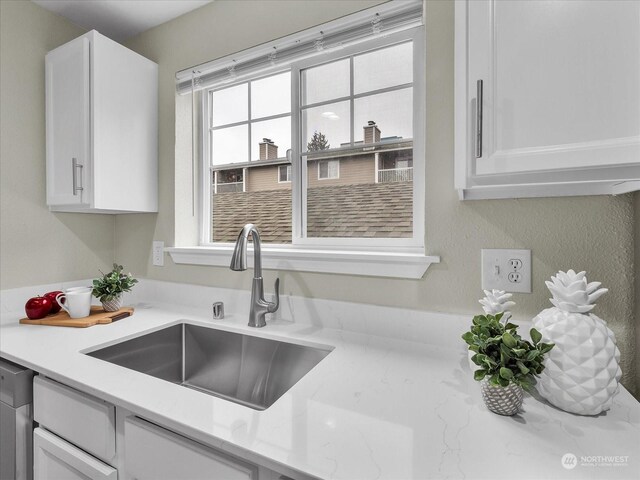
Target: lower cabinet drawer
<point>153,453</point>
<point>55,459</point>
<point>81,419</point>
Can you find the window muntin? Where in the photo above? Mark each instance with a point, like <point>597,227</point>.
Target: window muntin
<point>350,138</point>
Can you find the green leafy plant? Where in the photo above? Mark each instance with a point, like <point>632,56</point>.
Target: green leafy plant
<point>502,355</point>
<point>113,283</point>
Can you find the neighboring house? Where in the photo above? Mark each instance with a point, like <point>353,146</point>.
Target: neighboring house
<point>364,190</point>
<point>373,160</point>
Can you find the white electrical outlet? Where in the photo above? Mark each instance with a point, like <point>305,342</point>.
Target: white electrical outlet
<point>158,253</point>
<point>508,270</point>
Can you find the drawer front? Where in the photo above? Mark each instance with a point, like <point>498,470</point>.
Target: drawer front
<point>15,384</point>
<point>53,458</point>
<point>153,453</point>
<point>81,419</point>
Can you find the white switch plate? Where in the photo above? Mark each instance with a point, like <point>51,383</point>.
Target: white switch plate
<point>508,270</point>
<point>158,253</point>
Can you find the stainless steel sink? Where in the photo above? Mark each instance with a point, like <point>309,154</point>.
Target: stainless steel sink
<point>245,369</point>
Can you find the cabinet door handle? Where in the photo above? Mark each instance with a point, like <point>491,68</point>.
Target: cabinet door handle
<point>479,119</point>
<point>74,168</point>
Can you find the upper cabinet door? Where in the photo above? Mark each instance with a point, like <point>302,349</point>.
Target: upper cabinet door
<point>68,123</point>
<point>551,90</point>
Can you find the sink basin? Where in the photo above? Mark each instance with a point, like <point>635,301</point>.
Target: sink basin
<point>248,370</point>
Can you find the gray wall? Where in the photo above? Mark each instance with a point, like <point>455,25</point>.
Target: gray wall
<point>37,246</point>
<point>584,233</point>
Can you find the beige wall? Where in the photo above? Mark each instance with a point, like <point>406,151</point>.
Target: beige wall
<point>584,233</point>
<point>37,246</point>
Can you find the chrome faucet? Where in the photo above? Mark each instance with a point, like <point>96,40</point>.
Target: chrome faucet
<point>259,306</point>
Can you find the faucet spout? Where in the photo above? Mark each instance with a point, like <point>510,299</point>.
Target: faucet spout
<point>259,306</point>
<point>239,257</point>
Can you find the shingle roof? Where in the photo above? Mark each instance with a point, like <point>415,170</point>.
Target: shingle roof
<point>382,210</point>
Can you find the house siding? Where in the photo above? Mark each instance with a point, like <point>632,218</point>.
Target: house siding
<point>264,178</point>
<point>353,171</point>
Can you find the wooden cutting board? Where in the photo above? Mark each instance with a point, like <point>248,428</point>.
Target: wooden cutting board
<point>97,315</point>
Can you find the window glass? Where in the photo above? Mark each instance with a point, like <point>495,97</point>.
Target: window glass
<point>325,82</point>
<point>229,145</point>
<point>364,182</point>
<point>271,95</point>
<point>229,105</point>
<point>391,111</point>
<point>383,68</point>
<point>327,126</point>
<point>278,131</point>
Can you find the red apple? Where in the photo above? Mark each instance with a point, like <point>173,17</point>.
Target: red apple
<point>55,306</point>
<point>37,307</point>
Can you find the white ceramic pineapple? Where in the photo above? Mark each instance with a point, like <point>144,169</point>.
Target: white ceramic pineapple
<point>582,372</point>
<point>493,303</point>
<point>497,301</point>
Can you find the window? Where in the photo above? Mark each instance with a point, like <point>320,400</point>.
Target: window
<point>318,138</point>
<point>316,145</point>
<point>323,153</point>
<point>284,173</point>
<point>328,169</point>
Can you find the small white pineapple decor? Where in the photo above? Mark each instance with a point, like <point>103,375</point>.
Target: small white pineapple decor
<point>582,372</point>
<point>497,301</point>
<point>493,303</point>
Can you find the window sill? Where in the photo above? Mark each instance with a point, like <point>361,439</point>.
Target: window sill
<point>376,264</point>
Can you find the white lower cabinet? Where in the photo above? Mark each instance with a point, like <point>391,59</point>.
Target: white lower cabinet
<point>84,437</point>
<point>56,459</point>
<point>153,453</point>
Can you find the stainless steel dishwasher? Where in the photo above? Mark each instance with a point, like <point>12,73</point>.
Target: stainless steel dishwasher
<point>16,422</point>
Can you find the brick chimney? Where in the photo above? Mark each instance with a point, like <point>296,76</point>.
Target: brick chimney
<point>268,149</point>
<point>371,132</point>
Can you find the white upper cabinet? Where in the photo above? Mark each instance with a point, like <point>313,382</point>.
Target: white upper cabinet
<point>547,98</point>
<point>102,128</point>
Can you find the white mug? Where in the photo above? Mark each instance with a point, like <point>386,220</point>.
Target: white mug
<point>77,301</point>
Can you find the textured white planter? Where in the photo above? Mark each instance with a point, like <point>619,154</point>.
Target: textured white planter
<point>112,305</point>
<point>502,400</point>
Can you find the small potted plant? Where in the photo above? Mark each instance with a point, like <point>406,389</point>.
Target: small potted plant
<point>506,363</point>
<point>111,286</point>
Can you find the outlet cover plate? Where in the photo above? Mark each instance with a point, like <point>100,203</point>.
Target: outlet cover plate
<point>158,253</point>
<point>508,270</point>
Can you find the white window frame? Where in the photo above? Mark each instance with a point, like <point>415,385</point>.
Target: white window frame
<point>288,175</point>
<point>299,192</point>
<point>328,162</point>
<point>399,257</point>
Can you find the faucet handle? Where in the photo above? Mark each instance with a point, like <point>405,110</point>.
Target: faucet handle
<point>273,306</point>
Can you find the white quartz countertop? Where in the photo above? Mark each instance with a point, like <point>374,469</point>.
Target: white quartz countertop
<point>374,408</point>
